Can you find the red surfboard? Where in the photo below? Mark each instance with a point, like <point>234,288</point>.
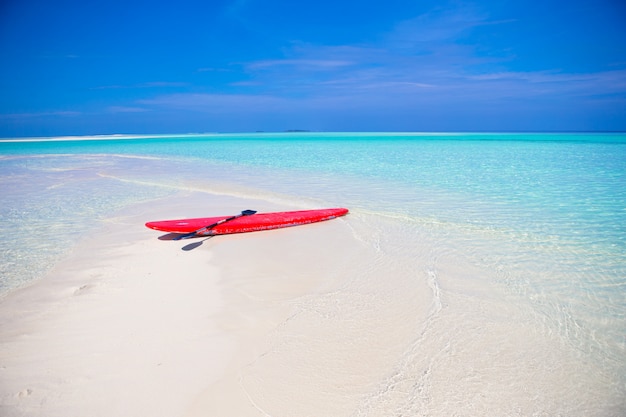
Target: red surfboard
<point>247,221</point>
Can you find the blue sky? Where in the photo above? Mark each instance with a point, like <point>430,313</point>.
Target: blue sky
<point>78,67</point>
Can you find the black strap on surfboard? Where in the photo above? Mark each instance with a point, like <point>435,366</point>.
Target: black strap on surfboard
<point>209,227</point>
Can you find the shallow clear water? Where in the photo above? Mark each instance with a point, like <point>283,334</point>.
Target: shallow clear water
<point>522,237</point>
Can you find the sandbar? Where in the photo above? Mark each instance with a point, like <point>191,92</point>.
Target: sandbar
<point>131,323</point>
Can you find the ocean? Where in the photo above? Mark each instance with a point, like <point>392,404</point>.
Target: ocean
<point>520,238</point>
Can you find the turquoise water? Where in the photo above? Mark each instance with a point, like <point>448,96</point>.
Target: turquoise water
<point>541,217</point>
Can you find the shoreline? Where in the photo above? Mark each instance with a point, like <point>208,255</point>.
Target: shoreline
<point>104,332</point>
<point>127,324</point>
<point>364,314</point>
<point>303,133</point>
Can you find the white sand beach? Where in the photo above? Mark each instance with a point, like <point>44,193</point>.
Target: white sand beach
<point>316,320</point>
<point>123,326</point>
<point>128,324</point>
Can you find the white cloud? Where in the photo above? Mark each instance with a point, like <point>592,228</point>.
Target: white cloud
<point>35,115</point>
<point>302,64</point>
<point>421,65</point>
<point>126,109</point>
<point>435,27</point>
<point>152,84</point>
<point>215,103</point>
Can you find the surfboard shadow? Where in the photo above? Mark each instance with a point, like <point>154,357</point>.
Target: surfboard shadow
<point>194,245</point>
<point>191,246</point>
<point>169,236</point>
